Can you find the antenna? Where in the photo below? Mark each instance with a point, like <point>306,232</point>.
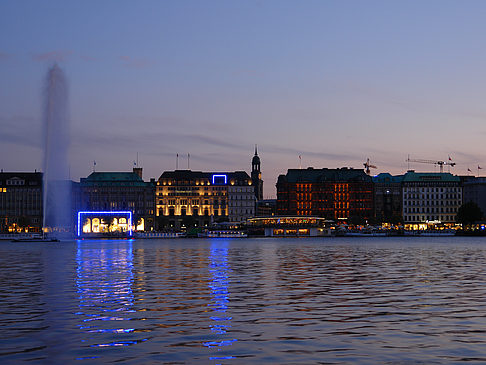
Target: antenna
<point>188,157</point>
<point>300,162</point>
<point>177,161</point>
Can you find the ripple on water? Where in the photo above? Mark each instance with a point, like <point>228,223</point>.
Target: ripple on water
<point>237,301</point>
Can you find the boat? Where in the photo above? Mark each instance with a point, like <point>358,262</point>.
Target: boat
<point>366,234</point>
<point>36,239</point>
<point>222,234</point>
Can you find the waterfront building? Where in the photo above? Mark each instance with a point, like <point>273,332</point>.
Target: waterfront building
<point>474,190</point>
<point>430,199</point>
<point>186,198</point>
<point>21,202</point>
<point>118,191</point>
<point>266,207</point>
<point>388,198</point>
<point>256,176</point>
<point>342,194</point>
<point>289,226</point>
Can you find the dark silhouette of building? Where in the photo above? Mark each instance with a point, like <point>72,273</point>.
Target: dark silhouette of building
<point>256,176</point>
<point>120,191</point>
<point>21,201</point>
<point>388,198</point>
<point>266,208</point>
<point>343,194</point>
<point>475,191</point>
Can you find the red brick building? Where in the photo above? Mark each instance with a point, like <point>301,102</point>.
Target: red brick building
<point>338,194</point>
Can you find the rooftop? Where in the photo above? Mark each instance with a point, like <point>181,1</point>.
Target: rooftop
<point>318,175</point>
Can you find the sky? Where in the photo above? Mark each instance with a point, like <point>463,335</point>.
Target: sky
<point>335,82</point>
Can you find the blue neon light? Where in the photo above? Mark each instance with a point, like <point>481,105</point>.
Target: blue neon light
<point>94,212</point>
<point>219,176</point>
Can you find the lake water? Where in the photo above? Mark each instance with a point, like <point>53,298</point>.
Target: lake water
<point>240,301</point>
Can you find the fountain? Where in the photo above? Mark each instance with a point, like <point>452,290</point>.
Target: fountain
<point>57,186</point>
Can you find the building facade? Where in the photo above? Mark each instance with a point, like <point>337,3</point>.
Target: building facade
<point>186,198</point>
<point>120,191</point>
<point>21,199</point>
<point>430,199</point>
<point>388,198</point>
<point>266,208</point>
<point>474,190</point>
<point>343,194</point>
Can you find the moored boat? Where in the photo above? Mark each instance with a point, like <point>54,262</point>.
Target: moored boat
<point>222,234</point>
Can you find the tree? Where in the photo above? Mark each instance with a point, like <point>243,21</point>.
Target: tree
<point>469,213</point>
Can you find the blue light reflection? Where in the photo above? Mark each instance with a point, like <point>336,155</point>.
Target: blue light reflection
<point>219,285</point>
<point>104,285</point>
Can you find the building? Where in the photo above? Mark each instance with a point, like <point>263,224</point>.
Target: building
<point>256,176</point>
<point>289,226</point>
<point>430,199</point>
<point>118,191</point>
<point>388,198</point>
<point>186,198</point>
<point>266,207</point>
<point>474,190</point>
<point>21,200</point>
<point>343,194</point>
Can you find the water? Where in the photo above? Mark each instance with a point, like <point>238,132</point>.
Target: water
<point>57,188</point>
<point>240,301</point>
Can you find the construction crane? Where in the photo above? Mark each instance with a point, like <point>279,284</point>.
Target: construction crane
<point>441,164</point>
<point>368,166</point>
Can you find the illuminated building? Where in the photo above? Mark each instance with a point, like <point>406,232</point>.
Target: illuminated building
<point>188,198</point>
<point>388,198</point>
<point>256,176</point>
<point>120,191</point>
<point>430,199</point>
<point>339,194</point>
<point>290,226</point>
<point>20,201</point>
<point>104,222</point>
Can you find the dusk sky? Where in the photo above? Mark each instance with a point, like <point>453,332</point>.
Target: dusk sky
<point>333,81</point>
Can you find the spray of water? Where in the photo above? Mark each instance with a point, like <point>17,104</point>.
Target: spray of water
<point>57,187</point>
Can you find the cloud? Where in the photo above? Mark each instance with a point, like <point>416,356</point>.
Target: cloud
<point>134,62</point>
<point>57,56</point>
<point>21,130</point>
<point>87,58</point>
<point>323,155</point>
<point>152,142</point>
<point>4,56</point>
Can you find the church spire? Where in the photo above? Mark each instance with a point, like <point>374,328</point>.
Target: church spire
<point>256,175</point>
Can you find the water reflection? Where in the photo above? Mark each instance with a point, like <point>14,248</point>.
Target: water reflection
<point>104,284</point>
<point>220,294</point>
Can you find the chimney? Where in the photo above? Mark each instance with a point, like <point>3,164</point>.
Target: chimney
<point>138,171</point>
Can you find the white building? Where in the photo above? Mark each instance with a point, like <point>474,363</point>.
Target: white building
<point>430,199</point>
<point>241,202</point>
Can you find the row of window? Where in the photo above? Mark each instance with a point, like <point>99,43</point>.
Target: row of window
<point>432,190</point>
<point>423,218</point>
<point>431,203</point>
<point>432,196</point>
<point>430,210</point>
